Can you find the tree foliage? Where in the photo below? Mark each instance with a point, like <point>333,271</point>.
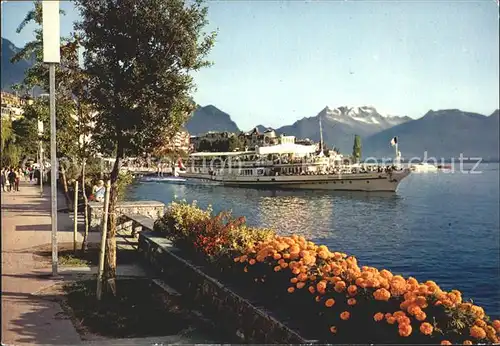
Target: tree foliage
<point>231,143</point>
<point>356,149</point>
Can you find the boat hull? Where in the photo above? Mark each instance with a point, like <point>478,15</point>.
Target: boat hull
<point>344,182</point>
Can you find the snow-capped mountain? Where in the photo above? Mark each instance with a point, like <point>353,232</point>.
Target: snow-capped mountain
<point>341,124</point>
<point>364,114</point>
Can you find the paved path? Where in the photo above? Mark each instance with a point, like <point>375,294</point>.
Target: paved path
<point>27,319</point>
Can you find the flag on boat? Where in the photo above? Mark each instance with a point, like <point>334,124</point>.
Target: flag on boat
<point>180,164</point>
<point>394,141</point>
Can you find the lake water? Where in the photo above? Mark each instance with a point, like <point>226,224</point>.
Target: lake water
<point>437,226</point>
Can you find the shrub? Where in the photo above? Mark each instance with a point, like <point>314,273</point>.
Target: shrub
<point>212,236</point>
<point>180,219</point>
<point>245,237</point>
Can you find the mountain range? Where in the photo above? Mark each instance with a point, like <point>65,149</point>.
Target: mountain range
<point>12,73</point>
<point>443,133</point>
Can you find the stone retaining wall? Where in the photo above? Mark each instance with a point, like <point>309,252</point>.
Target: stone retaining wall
<point>227,309</point>
<point>152,209</point>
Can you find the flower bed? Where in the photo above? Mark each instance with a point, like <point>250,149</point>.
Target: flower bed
<point>327,293</point>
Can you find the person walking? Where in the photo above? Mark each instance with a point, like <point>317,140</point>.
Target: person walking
<point>17,179</point>
<point>6,179</point>
<point>12,179</point>
<point>2,180</point>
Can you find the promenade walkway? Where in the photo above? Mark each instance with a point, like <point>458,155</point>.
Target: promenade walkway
<point>26,223</point>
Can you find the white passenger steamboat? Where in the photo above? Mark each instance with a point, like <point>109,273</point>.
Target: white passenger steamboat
<point>290,166</point>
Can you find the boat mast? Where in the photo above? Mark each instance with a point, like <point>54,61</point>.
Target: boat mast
<point>320,136</point>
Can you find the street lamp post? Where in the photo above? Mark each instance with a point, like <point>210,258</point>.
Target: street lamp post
<point>51,55</point>
<point>40,150</point>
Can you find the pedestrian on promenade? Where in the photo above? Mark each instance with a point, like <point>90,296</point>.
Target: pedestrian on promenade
<point>6,179</point>
<point>3,179</point>
<point>31,174</point>
<point>17,179</point>
<point>12,179</point>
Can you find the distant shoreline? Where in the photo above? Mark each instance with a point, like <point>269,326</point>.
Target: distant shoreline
<point>455,160</point>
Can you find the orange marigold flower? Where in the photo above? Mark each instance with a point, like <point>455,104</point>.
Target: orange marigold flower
<point>291,289</point>
<point>467,342</point>
<point>312,289</point>
<point>480,323</point>
<point>445,342</point>
<point>386,274</point>
<point>391,320</point>
<point>398,285</point>
<point>294,280</point>
<point>333,329</point>
<point>276,256</point>
<point>496,325</point>
<point>277,268</point>
<point>329,302</point>
<point>421,301</point>
<point>352,290</point>
<point>345,315</point>
<point>412,281</point>
<point>478,311</point>
<point>286,255</point>
<point>405,329</point>
<point>477,332</point>
<point>336,279</point>
<point>398,314</point>
<point>421,316</point>
<point>296,271</point>
<point>300,285</point>
<point>323,254</point>
<point>351,301</point>
<point>252,262</point>
<point>236,259</point>
<point>387,315</point>
<point>317,299</point>
<point>284,265</point>
<point>403,320</point>
<point>426,328</point>
<point>413,309</point>
<point>302,277</point>
<point>360,282</point>
<point>340,286</point>
<point>320,286</point>
<point>490,332</point>
<point>245,270</point>
<point>378,316</point>
<point>382,294</point>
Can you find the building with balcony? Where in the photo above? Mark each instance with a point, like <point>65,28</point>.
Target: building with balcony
<point>179,142</point>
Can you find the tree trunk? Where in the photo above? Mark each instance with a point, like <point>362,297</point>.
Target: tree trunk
<point>85,209</point>
<point>110,265</point>
<point>65,188</point>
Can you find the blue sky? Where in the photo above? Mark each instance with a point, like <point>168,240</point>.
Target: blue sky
<point>278,61</point>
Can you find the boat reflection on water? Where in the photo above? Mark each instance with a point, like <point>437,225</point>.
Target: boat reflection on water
<point>314,214</point>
